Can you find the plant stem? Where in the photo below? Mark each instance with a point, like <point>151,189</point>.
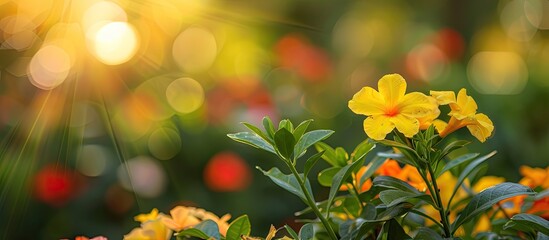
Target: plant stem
<point>443,215</point>
<point>311,202</point>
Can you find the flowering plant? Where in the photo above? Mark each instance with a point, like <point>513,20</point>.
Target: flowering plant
<point>418,189</point>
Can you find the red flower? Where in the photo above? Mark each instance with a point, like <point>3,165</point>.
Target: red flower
<point>54,185</point>
<point>227,172</point>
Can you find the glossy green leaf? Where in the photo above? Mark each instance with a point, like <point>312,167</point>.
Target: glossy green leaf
<point>392,197</point>
<point>269,127</point>
<point>395,231</point>
<point>388,213</point>
<point>288,182</point>
<point>341,176</point>
<point>326,176</point>
<point>309,139</point>
<point>311,161</point>
<point>239,227</point>
<point>286,124</point>
<point>307,232</point>
<point>427,234</point>
<point>467,171</point>
<point>528,222</point>
<point>301,128</point>
<point>290,231</point>
<point>362,149</point>
<point>259,133</point>
<point>394,183</point>
<point>341,156</point>
<point>487,198</point>
<point>285,142</point>
<point>463,159</point>
<point>252,140</point>
<point>329,154</point>
<point>453,146</point>
<point>207,229</point>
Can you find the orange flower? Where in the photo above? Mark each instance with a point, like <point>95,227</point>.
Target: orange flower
<point>365,186</point>
<point>181,218</point>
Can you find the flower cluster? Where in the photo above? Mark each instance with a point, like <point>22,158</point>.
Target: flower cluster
<point>391,108</point>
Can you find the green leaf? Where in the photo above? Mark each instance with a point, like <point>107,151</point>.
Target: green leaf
<point>341,176</point>
<point>301,128</point>
<point>456,162</point>
<point>285,123</point>
<point>288,182</point>
<point>207,229</point>
<point>259,133</point>
<point>395,231</point>
<point>453,146</point>
<point>404,148</point>
<point>311,161</point>
<point>341,156</point>
<point>394,183</point>
<point>239,227</point>
<point>191,232</point>
<point>252,140</point>
<point>528,222</point>
<point>291,232</point>
<point>307,232</point>
<point>362,149</point>
<point>372,167</point>
<point>285,142</point>
<point>269,127</point>
<point>388,213</point>
<point>487,198</point>
<point>427,234</point>
<point>309,139</point>
<point>352,206</point>
<point>468,170</point>
<point>392,197</point>
<point>326,176</point>
<point>329,154</point>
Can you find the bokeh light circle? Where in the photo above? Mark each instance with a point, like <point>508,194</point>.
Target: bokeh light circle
<point>49,67</point>
<point>195,49</point>
<point>164,143</point>
<point>103,11</point>
<point>146,177</point>
<point>497,72</point>
<point>185,95</point>
<point>227,172</point>
<point>115,43</point>
<point>92,160</point>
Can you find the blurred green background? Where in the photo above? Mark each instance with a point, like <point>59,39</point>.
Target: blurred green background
<point>112,108</point>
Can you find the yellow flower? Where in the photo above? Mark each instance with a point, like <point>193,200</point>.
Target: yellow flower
<point>463,113</point>
<point>181,218</point>
<point>147,216</point>
<point>150,230</point>
<point>391,107</point>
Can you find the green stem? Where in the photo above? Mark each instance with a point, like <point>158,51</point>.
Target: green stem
<point>311,202</point>
<point>443,215</point>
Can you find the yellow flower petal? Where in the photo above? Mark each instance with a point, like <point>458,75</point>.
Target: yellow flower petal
<point>392,87</point>
<point>367,102</point>
<point>464,107</point>
<point>409,126</point>
<point>444,97</point>
<point>147,216</point>
<point>440,125</point>
<point>482,127</point>
<point>427,120</point>
<point>486,182</point>
<point>377,127</point>
<point>416,104</point>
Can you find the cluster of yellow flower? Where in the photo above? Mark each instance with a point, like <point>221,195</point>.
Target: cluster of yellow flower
<point>156,226</point>
<point>391,108</point>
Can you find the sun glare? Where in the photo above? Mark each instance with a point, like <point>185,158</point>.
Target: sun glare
<point>115,43</point>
